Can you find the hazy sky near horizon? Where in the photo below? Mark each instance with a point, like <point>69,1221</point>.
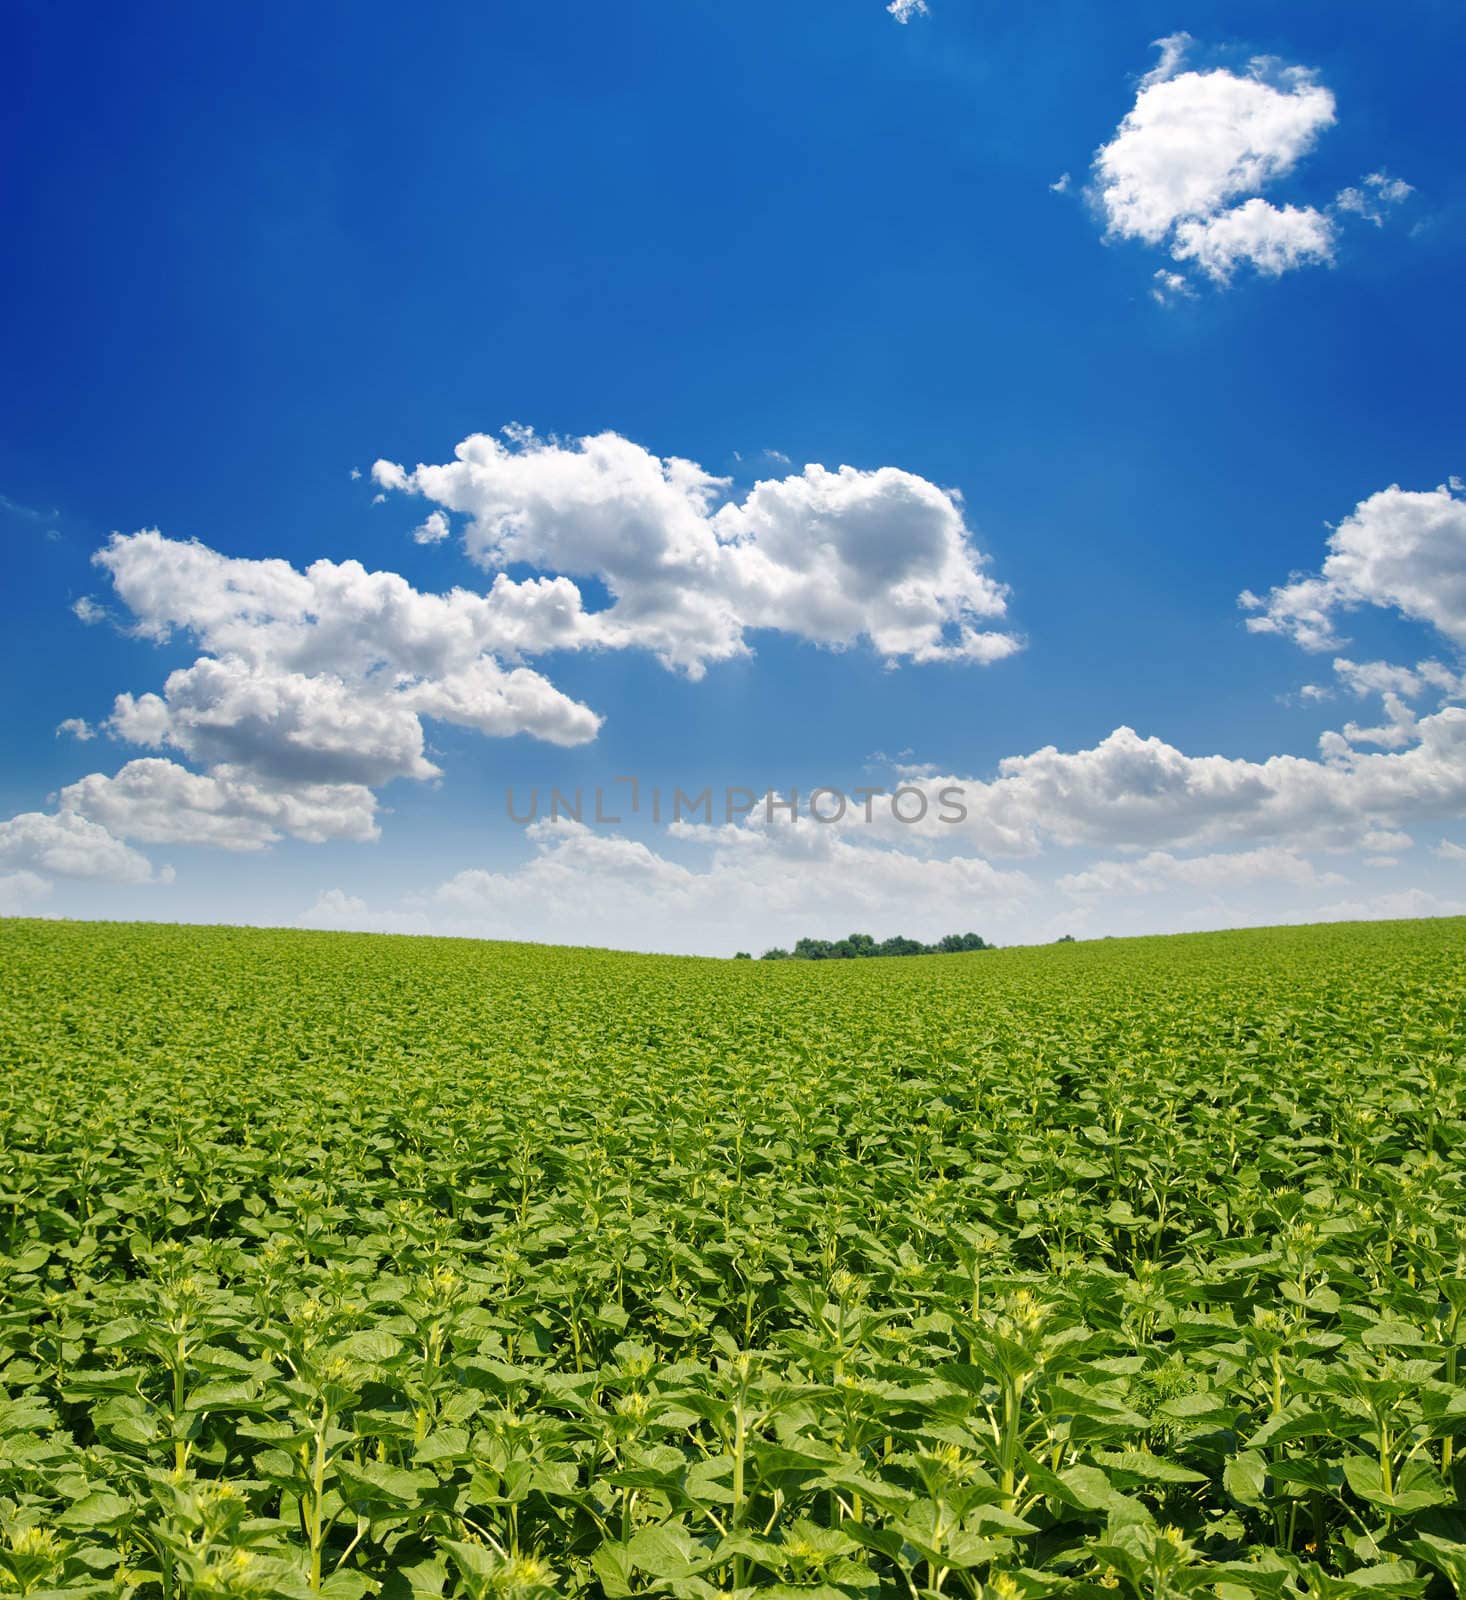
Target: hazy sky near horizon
<point>1060,411</point>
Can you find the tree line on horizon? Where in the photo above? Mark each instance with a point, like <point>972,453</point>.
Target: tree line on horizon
<point>857,945</point>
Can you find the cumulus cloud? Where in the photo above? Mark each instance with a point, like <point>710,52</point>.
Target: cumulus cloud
<point>1447,851</point>
<point>288,727</point>
<point>313,690</point>
<point>751,885</point>
<point>433,529</point>
<point>608,888</point>
<point>69,846</point>
<point>832,557</point>
<point>1383,677</point>
<point>1195,141</point>
<point>77,728</point>
<point>905,10</point>
<point>1400,550</point>
<point>1159,871</point>
<point>1270,238</point>
<point>1218,840</point>
<point>1133,792</point>
<point>314,685</point>
<point>1397,731</point>
<point>1188,164</point>
<point>160,802</point>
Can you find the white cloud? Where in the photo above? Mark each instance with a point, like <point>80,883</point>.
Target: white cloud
<point>1401,550</point>
<point>1447,851</point>
<point>751,885</point>
<point>499,703</point>
<point>288,728</point>
<point>1373,197</point>
<point>77,728</point>
<point>1274,240</point>
<point>1194,141</point>
<point>1377,677</point>
<point>783,883</point>
<point>20,891</point>
<point>433,529</point>
<point>159,802</point>
<point>832,557</point>
<point>1397,731</point>
<point>905,10</point>
<point>1061,184</point>
<point>1159,871</point>
<point>333,907</point>
<point>69,846</point>
<point>313,685</point>
<point>1397,904</point>
<point>1142,793</point>
<point>313,690</point>
<point>1173,48</point>
<point>1167,286</point>
<point>1187,168</point>
<point>86,610</point>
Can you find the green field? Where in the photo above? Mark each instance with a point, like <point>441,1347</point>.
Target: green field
<point>358,1264</point>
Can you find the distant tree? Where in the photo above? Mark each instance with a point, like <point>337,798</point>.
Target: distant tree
<point>1065,938</point>
<point>743,955</point>
<point>855,946</point>
<point>813,950</point>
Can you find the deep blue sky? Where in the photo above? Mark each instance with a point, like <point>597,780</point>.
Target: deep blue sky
<point>251,248</point>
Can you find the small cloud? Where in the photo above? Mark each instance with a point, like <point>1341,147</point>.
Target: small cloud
<point>1169,286</point>
<point>355,473</point>
<point>1060,185</point>
<point>88,611</point>
<point>433,530</point>
<point>1373,196</point>
<point>333,909</point>
<point>1447,851</point>
<point>26,513</point>
<point>777,455</point>
<point>77,727</point>
<point>1455,484</point>
<point>905,10</point>
<point>1173,50</point>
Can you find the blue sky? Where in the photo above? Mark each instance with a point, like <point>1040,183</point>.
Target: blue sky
<point>255,253</point>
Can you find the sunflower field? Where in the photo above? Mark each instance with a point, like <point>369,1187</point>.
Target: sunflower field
<point>356,1265</point>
